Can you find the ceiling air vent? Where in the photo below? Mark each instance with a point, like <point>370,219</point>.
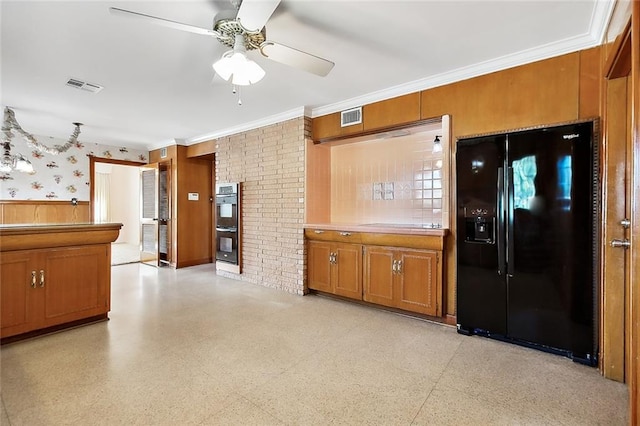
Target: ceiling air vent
<point>83,85</point>
<point>351,116</point>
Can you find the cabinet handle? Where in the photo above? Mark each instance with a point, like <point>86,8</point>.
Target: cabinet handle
<point>318,231</point>
<point>399,266</point>
<point>335,258</point>
<point>394,266</point>
<point>345,234</point>
<point>33,279</point>
<point>41,277</point>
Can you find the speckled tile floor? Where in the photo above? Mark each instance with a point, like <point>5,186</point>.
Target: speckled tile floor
<point>186,347</point>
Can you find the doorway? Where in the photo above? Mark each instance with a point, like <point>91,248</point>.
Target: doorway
<point>155,214</point>
<point>115,197</point>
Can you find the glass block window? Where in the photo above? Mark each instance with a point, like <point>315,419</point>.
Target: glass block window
<point>428,185</point>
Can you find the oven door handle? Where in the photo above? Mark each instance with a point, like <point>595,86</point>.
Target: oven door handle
<point>226,229</point>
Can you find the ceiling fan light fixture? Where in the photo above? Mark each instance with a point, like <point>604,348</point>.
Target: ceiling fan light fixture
<point>249,73</point>
<point>235,67</point>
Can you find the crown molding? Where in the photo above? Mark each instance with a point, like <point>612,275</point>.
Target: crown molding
<point>164,143</point>
<point>602,12</point>
<point>267,121</point>
<point>508,61</point>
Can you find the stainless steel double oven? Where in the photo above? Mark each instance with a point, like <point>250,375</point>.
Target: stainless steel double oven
<point>227,222</point>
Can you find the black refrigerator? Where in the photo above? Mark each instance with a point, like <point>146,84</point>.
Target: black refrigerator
<point>526,238</point>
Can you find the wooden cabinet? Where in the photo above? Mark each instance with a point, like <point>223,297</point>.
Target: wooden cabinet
<point>418,280</point>
<point>403,278</point>
<point>44,288</point>
<point>392,112</point>
<point>379,275</point>
<point>402,271</point>
<point>54,276</point>
<point>335,267</point>
<point>16,293</point>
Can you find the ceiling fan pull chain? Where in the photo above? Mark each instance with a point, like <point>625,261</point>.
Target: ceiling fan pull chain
<point>236,89</point>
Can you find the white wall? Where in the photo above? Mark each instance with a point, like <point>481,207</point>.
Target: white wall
<point>125,202</point>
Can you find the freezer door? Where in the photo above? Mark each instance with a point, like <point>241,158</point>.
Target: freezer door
<point>550,233</point>
<point>481,290</point>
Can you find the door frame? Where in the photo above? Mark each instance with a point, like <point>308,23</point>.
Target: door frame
<point>92,170</point>
<point>624,60</point>
<point>634,285</point>
<point>151,258</point>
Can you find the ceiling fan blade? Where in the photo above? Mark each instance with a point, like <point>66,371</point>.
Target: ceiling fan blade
<point>296,58</point>
<point>164,22</point>
<point>254,14</point>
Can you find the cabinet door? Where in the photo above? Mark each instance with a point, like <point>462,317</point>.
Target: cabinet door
<point>417,281</point>
<point>17,294</point>
<point>76,283</point>
<point>347,271</point>
<point>318,266</point>
<point>392,112</point>
<point>379,276</point>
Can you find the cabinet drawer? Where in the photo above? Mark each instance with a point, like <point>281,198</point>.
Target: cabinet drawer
<point>429,242</point>
<point>337,236</point>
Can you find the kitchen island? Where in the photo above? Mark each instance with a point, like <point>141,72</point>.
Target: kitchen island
<point>54,276</point>
<point>398,266</point>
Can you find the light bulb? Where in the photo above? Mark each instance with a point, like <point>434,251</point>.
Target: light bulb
<point>234,66</point>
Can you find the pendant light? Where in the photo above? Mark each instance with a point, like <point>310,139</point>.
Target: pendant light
<point>437,145</point>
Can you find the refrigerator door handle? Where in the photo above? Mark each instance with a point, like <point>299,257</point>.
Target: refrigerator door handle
<point>499,227</point>
<point>509,236</point>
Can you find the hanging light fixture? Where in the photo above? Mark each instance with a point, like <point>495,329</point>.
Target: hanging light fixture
<point>14,162</point>
<point>235,67</point>
<point>18,162</point>
<point>437,145</point>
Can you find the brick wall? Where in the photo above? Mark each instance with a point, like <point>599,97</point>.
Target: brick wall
<point>269,163</point>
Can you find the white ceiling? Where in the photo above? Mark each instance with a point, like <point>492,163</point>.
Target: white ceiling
<point>159,86</point>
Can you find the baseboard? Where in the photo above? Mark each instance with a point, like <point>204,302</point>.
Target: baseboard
<point>54,329</point>
<point>229,267</point>
<point>194,262</point>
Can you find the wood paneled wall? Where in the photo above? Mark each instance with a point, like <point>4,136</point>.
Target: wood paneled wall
<point>40,212</point>
<point>555,90</point>
<point>317,182</point>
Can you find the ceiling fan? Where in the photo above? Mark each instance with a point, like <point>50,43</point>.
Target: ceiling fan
<point>243,29</point>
